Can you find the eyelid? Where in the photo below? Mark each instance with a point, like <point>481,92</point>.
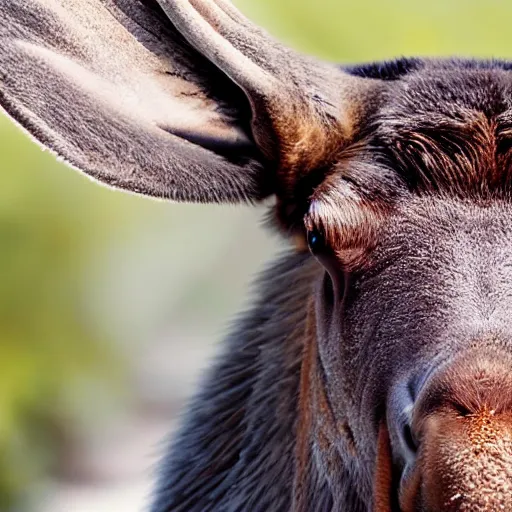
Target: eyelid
<point>325,254</point>
<point>309,223</point>
<point>315,222</point>
<point>345,246</point>
<point>314,227</point>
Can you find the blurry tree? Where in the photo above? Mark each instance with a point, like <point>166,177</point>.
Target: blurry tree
<point>50,352</point>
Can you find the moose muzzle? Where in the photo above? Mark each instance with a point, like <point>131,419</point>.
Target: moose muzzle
<point>457,441</point>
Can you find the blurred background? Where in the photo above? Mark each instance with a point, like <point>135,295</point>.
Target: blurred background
<point>110,304</point>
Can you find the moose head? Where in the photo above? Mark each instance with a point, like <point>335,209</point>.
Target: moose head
<point>375,369</point>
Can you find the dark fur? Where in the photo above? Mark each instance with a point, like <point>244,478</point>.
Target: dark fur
<point>235,450</point>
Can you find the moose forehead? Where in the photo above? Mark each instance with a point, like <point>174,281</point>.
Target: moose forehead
<point>439,128</point>
<point>449,130</point>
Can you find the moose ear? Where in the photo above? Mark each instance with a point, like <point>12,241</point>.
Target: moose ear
<point>180,99</point>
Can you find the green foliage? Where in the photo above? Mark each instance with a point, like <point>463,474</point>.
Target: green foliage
<point>367,30</point>
<point>51,223</point>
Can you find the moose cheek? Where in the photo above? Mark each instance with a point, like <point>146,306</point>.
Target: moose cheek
<point>332,297</point>
<point>340,273</point>
<point>331,287</point>
<point>334,294</point>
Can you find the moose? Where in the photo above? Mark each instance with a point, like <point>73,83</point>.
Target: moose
<point>374,370</point>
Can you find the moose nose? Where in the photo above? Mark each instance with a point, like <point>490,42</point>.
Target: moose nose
<point>466,387</point>
<point>456,437</point>
<point>400,418</point>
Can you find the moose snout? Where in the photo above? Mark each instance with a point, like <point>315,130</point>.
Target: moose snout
<point>451,433</point>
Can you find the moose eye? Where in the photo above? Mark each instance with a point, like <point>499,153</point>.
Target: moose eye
<point>316,241</point>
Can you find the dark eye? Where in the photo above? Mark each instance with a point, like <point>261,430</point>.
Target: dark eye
<point>316,241</point>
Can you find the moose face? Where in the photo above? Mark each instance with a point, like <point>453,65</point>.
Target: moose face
<point>419,341</point>
<point>413,313</point>
<point>397,175</point>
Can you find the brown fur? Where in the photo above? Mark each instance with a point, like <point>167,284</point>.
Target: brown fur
<point>303,446</point>
<point>383,484</point>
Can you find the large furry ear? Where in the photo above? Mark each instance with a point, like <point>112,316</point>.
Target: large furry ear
<point>181,99</point>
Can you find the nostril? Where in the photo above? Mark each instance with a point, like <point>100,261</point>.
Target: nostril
<point>409,439</point>
<point>461,410</point>
<point>400,412</point>
<point>412,389</point>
